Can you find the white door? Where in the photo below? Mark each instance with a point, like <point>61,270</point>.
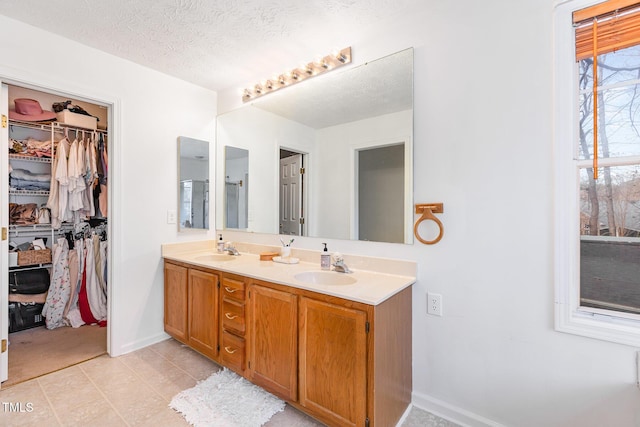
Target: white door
<point>291,195</point>
<point>4,242</point>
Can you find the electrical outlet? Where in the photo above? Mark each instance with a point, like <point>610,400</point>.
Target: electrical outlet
<point>434,304</point>
<point>171,216</point>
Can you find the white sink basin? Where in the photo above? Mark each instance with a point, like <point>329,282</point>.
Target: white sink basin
<point>325,278</point>
<point>214,257</point>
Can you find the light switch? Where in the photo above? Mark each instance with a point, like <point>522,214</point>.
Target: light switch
<point>171,216</point>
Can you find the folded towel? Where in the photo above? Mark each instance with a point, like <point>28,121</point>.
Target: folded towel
<point>29,176</point>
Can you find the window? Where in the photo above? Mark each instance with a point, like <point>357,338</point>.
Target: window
<point>597,139</point>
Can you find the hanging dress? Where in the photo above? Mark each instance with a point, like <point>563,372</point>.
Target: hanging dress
<point>83,298</point>
<point>74,317</point>
<point>60,287</point>
<point>103,272</point>
<point>97,301</point>
<point>73,285</point>
<point>62,176</point>
<point>58,177</point>
<point>75,170</point>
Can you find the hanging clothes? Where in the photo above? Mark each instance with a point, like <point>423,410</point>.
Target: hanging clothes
<point>75,170</point>
<point>60,287</point>
<point>103,271</point>
<point>58,194</point>
<point>73,285</point>
<point>104,166</point>
<point>74,317</point>
<point>95,296</point>
<point>90,176</point>
<point>83,299</point>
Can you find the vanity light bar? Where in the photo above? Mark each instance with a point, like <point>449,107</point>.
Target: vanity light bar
<point>312,69</point>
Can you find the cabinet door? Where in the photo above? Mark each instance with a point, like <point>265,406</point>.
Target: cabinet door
<point>203,312</point>
<point>175,301</point>
<point>333,362</point>
<point>273,332</point>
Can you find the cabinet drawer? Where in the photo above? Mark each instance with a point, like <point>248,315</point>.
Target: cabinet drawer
<point>233,316</point>
<point>232,352</point>
<point>233,289</point>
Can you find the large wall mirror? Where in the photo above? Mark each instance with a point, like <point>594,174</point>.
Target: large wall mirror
<point>330,157</point>
<point>193,203</point>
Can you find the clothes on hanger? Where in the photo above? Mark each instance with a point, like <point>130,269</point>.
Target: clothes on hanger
<point>75,177</point>
<point>78,290</point>
<point>60,288</point>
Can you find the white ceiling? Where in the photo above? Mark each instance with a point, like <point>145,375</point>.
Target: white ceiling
<point>217,44</point>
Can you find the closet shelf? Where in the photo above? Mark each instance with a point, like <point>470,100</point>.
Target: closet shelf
<point>28,267</point>
<point>29,227</point>
<point>28,193</point>
<point>29,158</point>
<point>55,126</point>
<point>31,125</point>
<point>16,230</point>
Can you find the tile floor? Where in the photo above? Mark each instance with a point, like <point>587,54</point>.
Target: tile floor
<point>130,390</point>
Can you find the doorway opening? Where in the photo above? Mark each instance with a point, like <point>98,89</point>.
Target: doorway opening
<point>380,183</point>
<point>58,231</point>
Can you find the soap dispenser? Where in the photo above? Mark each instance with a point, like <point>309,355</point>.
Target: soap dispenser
<point>220,244</point>
<point>325,259</point>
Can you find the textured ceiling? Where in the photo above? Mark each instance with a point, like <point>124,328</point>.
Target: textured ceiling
<point>212,43</point>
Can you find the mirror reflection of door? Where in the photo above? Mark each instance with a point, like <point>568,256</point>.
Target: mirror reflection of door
<point>380,187</point>
<point>236,162</point>
<point>291,193</point>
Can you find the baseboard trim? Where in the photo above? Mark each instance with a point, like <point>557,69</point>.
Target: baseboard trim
<point>137,345</point>
<point>450,412</point>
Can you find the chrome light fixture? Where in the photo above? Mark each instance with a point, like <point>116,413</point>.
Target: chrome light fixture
<point>304,72</point>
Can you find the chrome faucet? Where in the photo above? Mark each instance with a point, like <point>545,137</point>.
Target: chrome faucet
<point>339,265</point>
<point>231,250</point>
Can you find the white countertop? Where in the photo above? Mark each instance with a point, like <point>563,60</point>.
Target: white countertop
<point>370,287</point>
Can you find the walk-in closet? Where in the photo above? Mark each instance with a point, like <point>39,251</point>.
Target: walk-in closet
<point>58,234</point>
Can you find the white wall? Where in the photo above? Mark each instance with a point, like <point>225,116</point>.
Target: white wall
<point>150,111</point>
<point>483,146</point>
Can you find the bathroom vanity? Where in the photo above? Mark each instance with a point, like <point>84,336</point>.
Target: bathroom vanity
<point>336,346</point>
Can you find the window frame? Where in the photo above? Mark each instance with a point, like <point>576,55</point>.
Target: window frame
<point>595,323</point>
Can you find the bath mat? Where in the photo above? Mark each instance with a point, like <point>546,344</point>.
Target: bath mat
<point>226,399</point>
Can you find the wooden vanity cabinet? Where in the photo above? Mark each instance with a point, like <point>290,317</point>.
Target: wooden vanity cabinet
<point>191,307</point>
<point>273,340</point>
<point>233,321</point>
<point>345,363</point>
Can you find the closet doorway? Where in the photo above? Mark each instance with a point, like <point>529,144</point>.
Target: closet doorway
<point>55,284</point>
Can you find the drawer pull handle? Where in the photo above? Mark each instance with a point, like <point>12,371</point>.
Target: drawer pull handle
<point>228,289</point>
<point>229,350</point>
<point>230,316</point>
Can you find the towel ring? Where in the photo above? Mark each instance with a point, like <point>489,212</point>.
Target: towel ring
<point>427,210</point>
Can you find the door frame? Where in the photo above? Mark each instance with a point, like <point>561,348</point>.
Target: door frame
<point>357,146</point>
<point>67,88</point>
<point>4,242</point>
